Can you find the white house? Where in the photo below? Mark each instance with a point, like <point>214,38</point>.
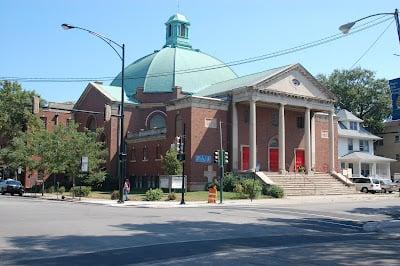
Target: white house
<point>356,148</point>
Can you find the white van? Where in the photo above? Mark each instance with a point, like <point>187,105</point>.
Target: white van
<point>367,184</point>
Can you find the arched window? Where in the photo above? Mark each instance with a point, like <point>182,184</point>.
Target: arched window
<point>157,121</point>
<point>91,123</point>
<point>133,154</point>
<point>273,143</point>
<point>178,125</point>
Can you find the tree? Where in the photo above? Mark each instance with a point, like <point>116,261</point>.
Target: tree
<point>16,110</point>
<point>58,152</point>
<point>170,164</point>
<point>361,93</point>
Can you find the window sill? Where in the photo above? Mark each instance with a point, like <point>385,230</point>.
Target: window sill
<point>157,160</point>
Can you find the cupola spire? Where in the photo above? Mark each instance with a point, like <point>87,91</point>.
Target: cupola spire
<point>177,31</point>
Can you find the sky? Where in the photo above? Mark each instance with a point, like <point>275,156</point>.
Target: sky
<point>33,44</point>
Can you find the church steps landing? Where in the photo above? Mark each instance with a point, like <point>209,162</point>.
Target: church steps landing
<point>316,184</point>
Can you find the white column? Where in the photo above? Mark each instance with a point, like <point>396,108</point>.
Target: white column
<point>388,170</point>
<point>235,133</point>
<point>307,135</point>
<point>331,132</point>
<point>373,169</point>
<point>282,162</point>
<point>359,168</point>
<point>252,137</point>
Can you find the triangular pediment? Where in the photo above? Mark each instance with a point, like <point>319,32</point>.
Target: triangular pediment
<point>296,80</point>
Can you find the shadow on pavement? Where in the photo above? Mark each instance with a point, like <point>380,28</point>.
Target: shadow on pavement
<point>269,241</point>
<point>392,212</point>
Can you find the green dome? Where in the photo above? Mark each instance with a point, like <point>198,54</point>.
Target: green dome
<point>163,70</point>
<point>176,64</point>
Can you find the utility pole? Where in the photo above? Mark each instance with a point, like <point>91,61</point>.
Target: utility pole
<point>181,157</point>
<point>221,164</point>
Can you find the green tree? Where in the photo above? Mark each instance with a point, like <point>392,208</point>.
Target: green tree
<point>360,92</point>
<point>16,110</point>
<point>170,164</point>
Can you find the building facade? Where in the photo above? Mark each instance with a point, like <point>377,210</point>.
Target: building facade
<point>356,149</point>
<point>280,120</point>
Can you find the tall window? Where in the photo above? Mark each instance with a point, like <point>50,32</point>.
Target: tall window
<point>275,119</point>
<point>246,116</point>
<point>300,122</point>
<point>353,125</point>
<point>158,152</point>
<point>169,30</point>
<point>350,144</point>
<point>364,145</point>
<point>133,154</point>
<point>145,154</point>
<point>178,125</point>
<point>55,120</point>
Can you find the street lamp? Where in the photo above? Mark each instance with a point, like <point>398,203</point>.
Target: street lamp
<point>345,28</point>
<point>122,152</point>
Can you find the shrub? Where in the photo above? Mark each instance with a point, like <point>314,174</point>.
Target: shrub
<point>51,190</point>
<point>80,191</point>
<point>172,196</point>
<point>251,187</point>
<point>153,194</point>
<point>61,190</point>
<point>115,195</point>
<point>274,191</point>
<point>230,180</point>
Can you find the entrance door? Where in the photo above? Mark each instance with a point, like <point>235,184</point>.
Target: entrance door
<point>273,159</point>
<point>245,158</point>
<point>299,159</point>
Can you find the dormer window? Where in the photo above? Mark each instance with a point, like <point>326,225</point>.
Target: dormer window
<point>353,125</point>
<point>183,30</point>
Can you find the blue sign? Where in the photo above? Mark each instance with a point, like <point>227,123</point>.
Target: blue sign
<point>203,159</point>
<point>394,85</point>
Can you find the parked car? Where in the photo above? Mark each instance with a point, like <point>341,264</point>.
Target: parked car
<point>397,184</point>
<point>13,187</point>
<point>367,184</point>
<point>387,185</point>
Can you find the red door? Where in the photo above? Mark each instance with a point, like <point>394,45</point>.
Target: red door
<point>245,158</point>
<point>273,160</point>
<point>299,159</point>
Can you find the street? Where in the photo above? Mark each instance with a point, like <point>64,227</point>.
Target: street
<point>43,232</point>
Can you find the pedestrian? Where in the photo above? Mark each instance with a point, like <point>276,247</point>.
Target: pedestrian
<point>127,189</point>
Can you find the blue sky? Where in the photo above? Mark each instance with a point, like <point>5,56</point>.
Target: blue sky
<point>34,45</point>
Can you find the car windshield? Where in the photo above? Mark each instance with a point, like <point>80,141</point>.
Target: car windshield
<point>13,182</point>
<point>375,181</point>
<point>386,181</point>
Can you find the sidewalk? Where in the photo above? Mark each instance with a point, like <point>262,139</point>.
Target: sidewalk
<point>246,202</point>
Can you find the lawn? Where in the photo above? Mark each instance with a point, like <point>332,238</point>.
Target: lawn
<point>189,196</point>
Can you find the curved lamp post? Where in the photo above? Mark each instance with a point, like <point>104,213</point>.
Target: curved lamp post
<point>122,152</point>
<point>345,28</point>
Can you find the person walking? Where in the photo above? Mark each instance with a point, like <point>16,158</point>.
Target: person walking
<point>127,189</point>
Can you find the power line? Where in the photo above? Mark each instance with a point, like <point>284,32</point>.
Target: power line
<point>372,45</point>
<point>278,53</point>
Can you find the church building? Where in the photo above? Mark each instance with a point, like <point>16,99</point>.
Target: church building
<point>277,121</point>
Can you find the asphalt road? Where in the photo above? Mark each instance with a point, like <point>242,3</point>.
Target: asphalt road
<point>40,232</point>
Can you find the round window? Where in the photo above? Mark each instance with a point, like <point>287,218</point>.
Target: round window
<point>295,82</point>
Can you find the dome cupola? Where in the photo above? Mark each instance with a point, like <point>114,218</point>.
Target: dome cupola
<point>177,31</point>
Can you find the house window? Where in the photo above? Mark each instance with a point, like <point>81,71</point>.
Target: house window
<point>365,169</point>
<point>145,154</point>
<point>351,167</point>
<point>56,120</point>
<point>133,154</point>
<point>44,121</point>
<point>398,156</point>
<point>342,165</point>
<point>364,145</point>
<point>300,122</point>
<point>158,152</point>
<point>275,119</point>
<point>210,122</point>
<point>350,144</point>
<point>353,125</point>
<point>397,138</point>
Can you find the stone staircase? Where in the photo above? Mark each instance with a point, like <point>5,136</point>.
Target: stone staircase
<point>305,185</point>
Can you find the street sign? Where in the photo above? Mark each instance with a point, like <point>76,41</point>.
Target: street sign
<point>207,159</point>
<point>84,164</point>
